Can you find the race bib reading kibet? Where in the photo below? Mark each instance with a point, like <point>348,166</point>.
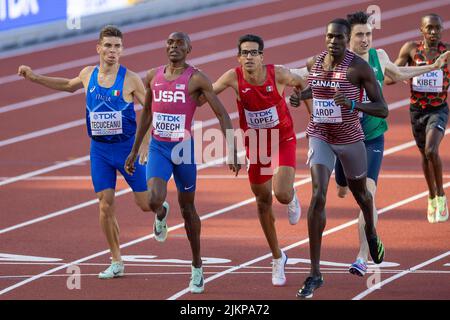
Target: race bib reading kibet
<point>169,125</point>
<point>428,82</point>
<point>326,111</point>
<point>262,119</point>
<point>106,123</point>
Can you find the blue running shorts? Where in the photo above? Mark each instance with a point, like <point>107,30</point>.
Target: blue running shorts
<point>177,158</point>
<point>106,158</point>
<point>374,150</point>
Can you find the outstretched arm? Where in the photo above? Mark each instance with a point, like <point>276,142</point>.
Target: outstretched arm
<point>402,59</point>
<point>397,73</point>
<point>61,84</point>
<point>206,88</point>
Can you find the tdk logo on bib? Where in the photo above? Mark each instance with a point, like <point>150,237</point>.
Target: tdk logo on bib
<point>169,96</point>
<point>169,117</point>
<point>263,119</point>
<point>169,125</point>
<point>428,82</point>
<point>106,116</point>
<point>326,111</point>
<point>106,123</point>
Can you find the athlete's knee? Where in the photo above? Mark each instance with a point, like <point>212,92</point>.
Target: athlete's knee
<point>431,153</point>
<point>363,197</point>
<point>264,203</point>
<point>318,199</point>
<point>341,191</point>
<point>106,206</point>
<point>284,197</point>
<point>188,211</point>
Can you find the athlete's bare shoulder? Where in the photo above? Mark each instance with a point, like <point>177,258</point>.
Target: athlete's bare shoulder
<point>311,61</point>
<point>409,48</point>
<point>132,78</point>
<point>229,77</point>
<point>358,62</point>
<point>198,76</point>
<point>85,75</point>
<point>358,69</point>
<point>149,76</point>
<point>281,71</point>
<point>382,53</point>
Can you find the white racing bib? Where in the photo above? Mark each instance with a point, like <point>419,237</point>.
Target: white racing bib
<point>106,123</point>
<point>428,82</point>
<point>168,125</point>
<point>326,111</point>
<point>262,119</point>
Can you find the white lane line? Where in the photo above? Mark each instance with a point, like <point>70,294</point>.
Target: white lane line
<point>304,241</point>
<point>399,275</point>
<point>43,132</point>
<point>196,126</point>
<point>171,273</point>
<point>45,170</point>
<point>214,177</point>
<point>213,32</point>
<point>181,225</point>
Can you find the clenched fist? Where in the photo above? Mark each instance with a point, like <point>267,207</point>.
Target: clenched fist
<point>26,72</point>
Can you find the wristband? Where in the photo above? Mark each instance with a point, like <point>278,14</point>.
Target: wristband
<point>353,105</point>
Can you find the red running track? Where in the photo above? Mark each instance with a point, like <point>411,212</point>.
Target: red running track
<point>237,259</point>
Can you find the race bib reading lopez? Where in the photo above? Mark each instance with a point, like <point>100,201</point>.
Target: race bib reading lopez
<point>106,123</point>
<point>428,82</point>
<point>169,125</point>
<point>262,119</point>
<point>326,111</point>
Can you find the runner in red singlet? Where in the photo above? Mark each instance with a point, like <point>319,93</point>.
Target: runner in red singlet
<point>268,130</point>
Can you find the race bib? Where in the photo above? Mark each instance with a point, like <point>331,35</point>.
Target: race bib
<point>263,119</point>
<point>106,123</point>
<point>428,82</point>
<point>170,126</point>
<point>326,111</point>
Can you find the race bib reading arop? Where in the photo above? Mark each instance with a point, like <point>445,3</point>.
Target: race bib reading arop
<point>326,111</point>
<point>106,123</point>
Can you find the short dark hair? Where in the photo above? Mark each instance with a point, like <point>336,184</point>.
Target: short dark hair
<point>110,31</point>
<point>359,17</point>
<point>342,22</point>
<point>432,15</point>
<point>251,38</point>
